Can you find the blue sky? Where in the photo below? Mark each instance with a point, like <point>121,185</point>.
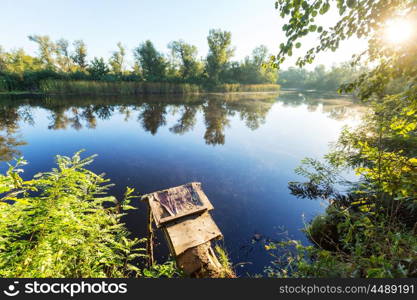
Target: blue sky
<point>103,23</point>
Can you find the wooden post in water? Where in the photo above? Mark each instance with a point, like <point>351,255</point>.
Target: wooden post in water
<point>183,214</point>
<point>149,245</point>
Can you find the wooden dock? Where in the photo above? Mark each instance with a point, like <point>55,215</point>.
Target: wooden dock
<point>183,213</point>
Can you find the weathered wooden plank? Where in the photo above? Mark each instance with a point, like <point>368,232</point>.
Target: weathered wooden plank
<point>191,231</point>
<point>171,204</point>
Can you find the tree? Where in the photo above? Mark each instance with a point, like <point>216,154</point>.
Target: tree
<point>220,52</point>
<point>264,71</point>
<point>320,78</point>
<point>63,56</point>
<point>190,68</point>
<point>117,59</point>
<point>19,61</point>
<point>79,56</point>
<point>253,70</point>
<point>98,68</point>
<point>260,55</point>
<point>3,60</point>
<point>293,77</point>
<point>152,62</point>
<point>46,50</point>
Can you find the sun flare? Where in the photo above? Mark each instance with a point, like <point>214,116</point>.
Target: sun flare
<point>398,31</point>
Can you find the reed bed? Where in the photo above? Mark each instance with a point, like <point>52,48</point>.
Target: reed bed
<point>3,85</point>
<point>245,88</point>
<point>89,87</point>
<point>79,87</point>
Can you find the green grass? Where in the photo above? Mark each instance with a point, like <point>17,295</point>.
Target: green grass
<point>72,87</point>
<point>223,257</point>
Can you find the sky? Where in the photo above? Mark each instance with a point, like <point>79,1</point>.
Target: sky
<point>104,23</point>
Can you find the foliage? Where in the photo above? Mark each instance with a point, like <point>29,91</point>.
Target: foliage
<point>223,257</point>
<point>117,59</point>
<point>319,79</point>
<point>63,224</point>
<point>46,49</point>
<point>63,55</point>
<point>165,270</point>
<point>98,68</point>
<point>55,225</point>
<point>68,61</point>
<point>253,70</point>
<point>190,68</point>
<point>356,245</point>
<point>220,52</point>
<point>152,62</point>
<point>79,57</point>
<point>369,229</point>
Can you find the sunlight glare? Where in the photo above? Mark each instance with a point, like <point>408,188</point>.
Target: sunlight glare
<point>398,31</point>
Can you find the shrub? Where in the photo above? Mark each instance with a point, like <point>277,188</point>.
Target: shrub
<point>63,224</point>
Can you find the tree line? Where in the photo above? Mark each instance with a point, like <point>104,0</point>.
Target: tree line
<point>320,78</point>
<point>62,59</point>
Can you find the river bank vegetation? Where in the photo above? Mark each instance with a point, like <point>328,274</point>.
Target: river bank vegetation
<point>63,223</point>
<point>61,67</point>
<point>369,228</point>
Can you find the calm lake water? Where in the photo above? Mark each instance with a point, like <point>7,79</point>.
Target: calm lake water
<point>243,148</point>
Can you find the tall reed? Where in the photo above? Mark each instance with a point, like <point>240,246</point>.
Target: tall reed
<point>245,88</point>
<point>81,87</point>
<point>87,87</point>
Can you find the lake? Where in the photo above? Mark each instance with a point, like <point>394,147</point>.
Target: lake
<point>242,147</point>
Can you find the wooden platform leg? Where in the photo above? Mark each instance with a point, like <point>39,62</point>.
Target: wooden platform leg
<point>201,262</point>
<point>149,248</point>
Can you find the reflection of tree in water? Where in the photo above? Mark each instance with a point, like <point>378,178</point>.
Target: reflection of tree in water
<point>187,120</point>
<point>335,106</point>
<point>82,112</point>
<point>62,117</point>
<point>75,119</point>
<point>152,116</point>
<point>215,115</point>
<point>252,112</point>
<point>89,116</point>
<point>338,112</point>
<point>104,112</point>
<point>126,111</point>
<point>58,118</point>
<point>9,140</point>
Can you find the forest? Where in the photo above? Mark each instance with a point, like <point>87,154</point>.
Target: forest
<point>320,78</point>
<point>62,60</point>
<point>62,67</point>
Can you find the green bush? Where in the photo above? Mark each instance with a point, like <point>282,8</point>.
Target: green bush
<point>364,244</point>
<point>63,224</point>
